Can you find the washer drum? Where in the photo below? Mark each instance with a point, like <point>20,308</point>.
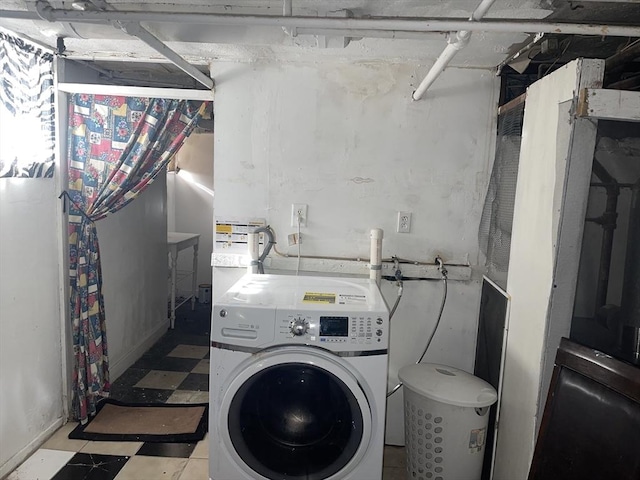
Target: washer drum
<point>446,411</point>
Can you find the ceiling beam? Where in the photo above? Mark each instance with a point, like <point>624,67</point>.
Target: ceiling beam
<point>133,91</point>
<point>409,24</point>
<point>605,104</point>
<point>136,30</point>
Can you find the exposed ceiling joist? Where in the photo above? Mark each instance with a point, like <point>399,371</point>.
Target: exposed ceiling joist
<point>136,30</point>
<point>172,93</point>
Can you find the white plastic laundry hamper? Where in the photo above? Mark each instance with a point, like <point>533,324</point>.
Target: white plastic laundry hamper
<point>446,411</point>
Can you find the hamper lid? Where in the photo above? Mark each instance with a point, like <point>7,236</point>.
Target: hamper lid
<point>448,385</point>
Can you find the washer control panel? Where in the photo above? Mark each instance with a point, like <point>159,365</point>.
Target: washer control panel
<point>341,332</point>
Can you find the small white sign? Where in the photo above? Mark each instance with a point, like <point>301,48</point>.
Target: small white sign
<point>345,299</point>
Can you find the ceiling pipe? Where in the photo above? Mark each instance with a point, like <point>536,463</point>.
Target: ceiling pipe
<point>456,43</point>
<point>408,24</point>
<point>368,33</point>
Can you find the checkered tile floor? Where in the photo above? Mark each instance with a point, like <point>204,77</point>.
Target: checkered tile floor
<point>174,370</point>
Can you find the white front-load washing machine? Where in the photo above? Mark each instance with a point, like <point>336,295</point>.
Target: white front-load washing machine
<point>298,379</point>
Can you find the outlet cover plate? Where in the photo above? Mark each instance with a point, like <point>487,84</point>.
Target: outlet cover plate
<point>300,208</point>
<point>404,222</point>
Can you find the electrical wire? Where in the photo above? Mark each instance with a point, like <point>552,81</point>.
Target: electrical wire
<point>443,272</point>
<point>299,240</point>
<point>558,57</point>
<point>444,299</point>
<point>629,45</point>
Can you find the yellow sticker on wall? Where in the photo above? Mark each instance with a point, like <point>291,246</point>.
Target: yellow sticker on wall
<point>315,297</point>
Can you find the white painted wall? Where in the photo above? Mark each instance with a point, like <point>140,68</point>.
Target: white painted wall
<point>347,140</point>
<point>133,249</point>
<point>190,203</point>
<point>30,350</point>
<point>550,205</point>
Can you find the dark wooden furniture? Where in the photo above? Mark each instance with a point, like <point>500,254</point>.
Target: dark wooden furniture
<point>591,423</point>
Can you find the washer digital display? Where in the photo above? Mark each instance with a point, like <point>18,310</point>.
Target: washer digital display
<point>334,326</point>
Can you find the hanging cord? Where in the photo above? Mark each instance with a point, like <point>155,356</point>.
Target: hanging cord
<point>267,248</point>
<point>399,284</point>
<point>443,272</point>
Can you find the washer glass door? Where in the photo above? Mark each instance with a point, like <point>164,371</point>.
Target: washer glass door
<point>298,419</point>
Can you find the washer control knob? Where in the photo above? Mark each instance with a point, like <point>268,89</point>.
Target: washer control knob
<point>379,321</point>
<point>298,326</point>
<point>379,333</point>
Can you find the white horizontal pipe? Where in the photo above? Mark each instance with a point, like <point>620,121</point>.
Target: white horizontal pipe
<point>342,266</point>
<point>374,23</point>
<point>361,33</point>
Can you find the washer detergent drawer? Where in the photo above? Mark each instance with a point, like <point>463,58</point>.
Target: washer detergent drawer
<point>296,413</point>
<point>248,327</point>
<point>237,333</point>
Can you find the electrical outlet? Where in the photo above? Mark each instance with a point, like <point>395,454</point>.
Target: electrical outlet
<point>298,210</point>
<point>404,222</point>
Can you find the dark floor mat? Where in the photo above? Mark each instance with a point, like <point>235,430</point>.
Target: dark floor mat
<point>145,422</point>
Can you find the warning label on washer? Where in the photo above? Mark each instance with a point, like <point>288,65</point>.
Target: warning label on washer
<point>316,297</point>
<point>476,440</point>
<point>351,299</point>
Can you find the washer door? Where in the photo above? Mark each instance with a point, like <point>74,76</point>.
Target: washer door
<point>296,413</point>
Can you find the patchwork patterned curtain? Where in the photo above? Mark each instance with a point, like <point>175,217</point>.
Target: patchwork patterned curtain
<point>27,136</point>
<point>117,145</point>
